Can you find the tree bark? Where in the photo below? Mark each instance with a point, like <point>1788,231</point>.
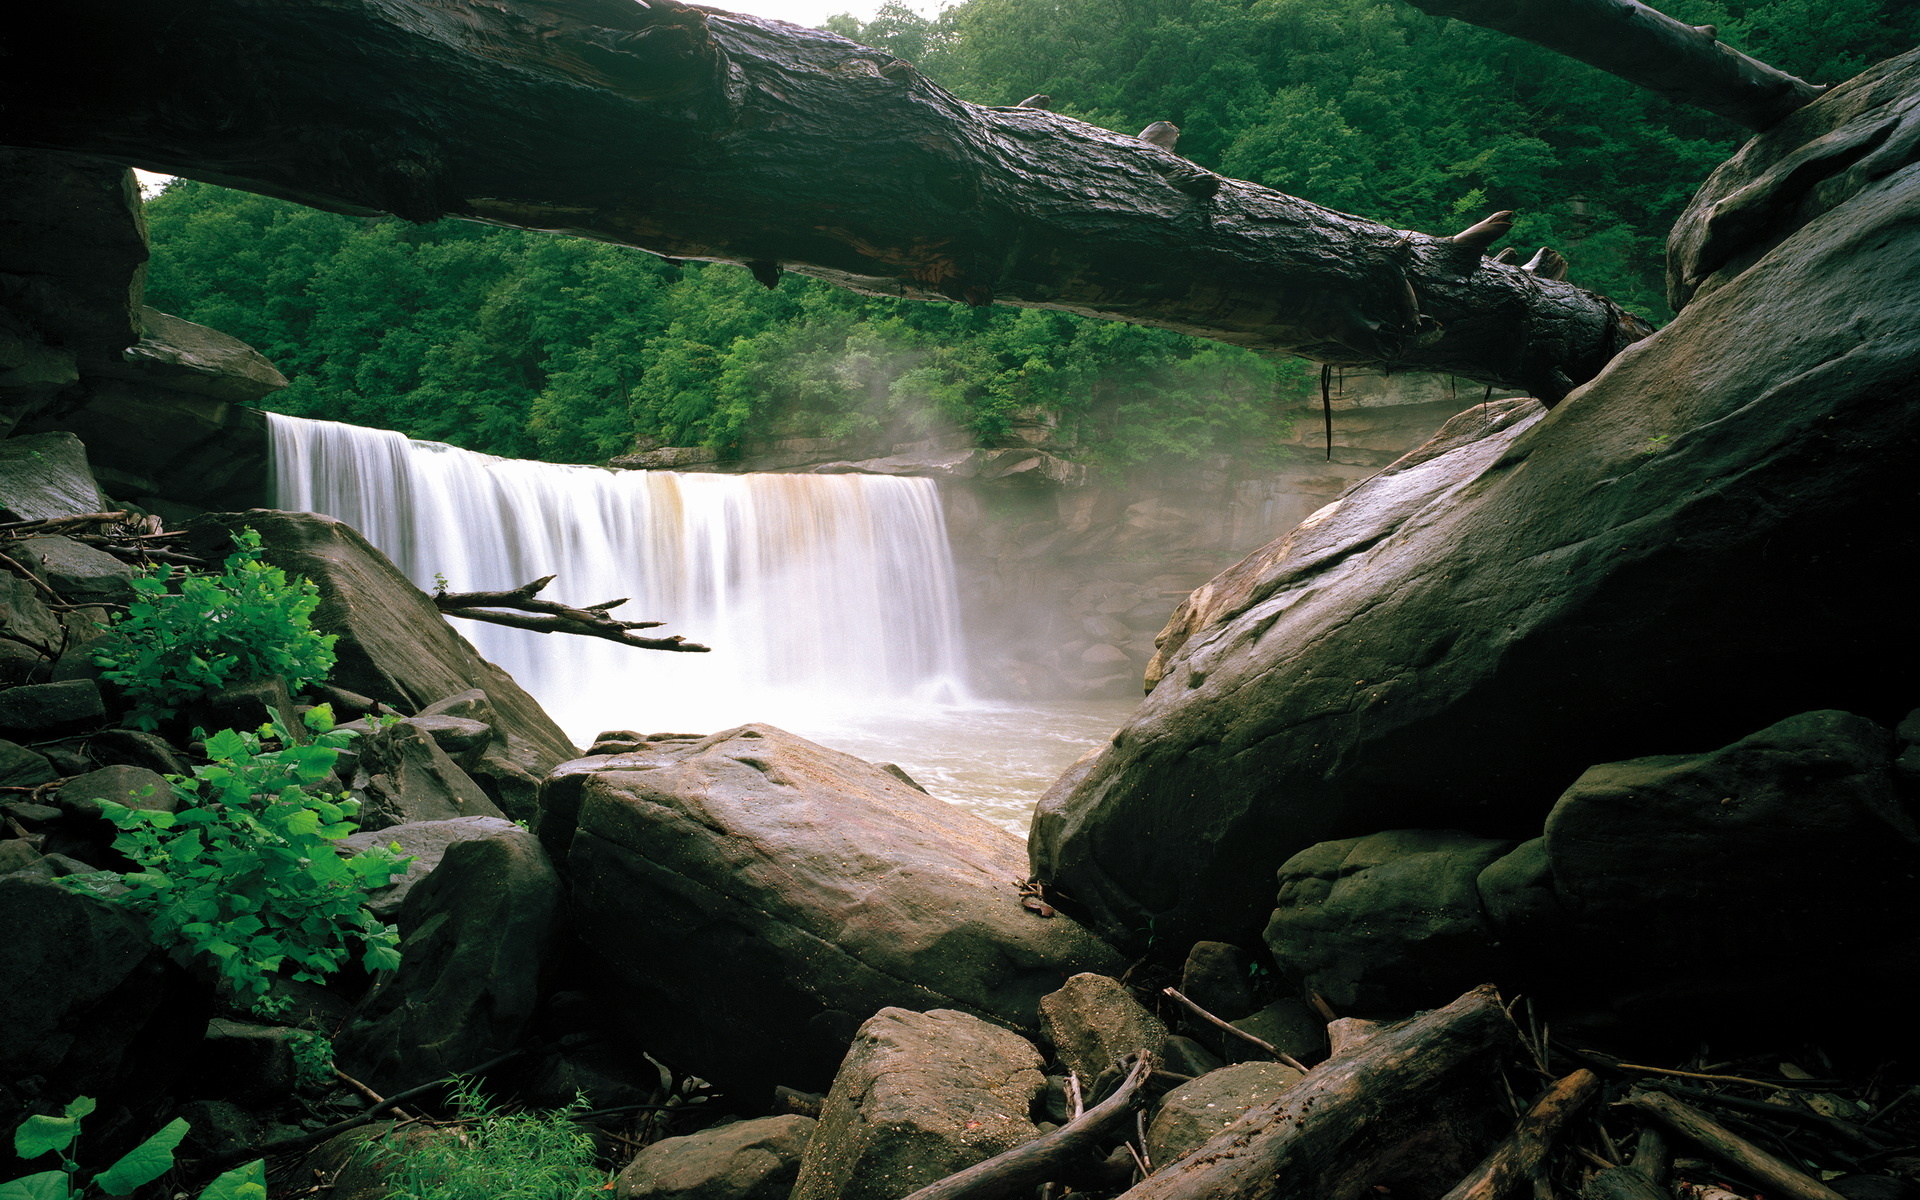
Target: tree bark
<point>700,134</point>
<point>1684,63</point>
<point>1330,1135</point>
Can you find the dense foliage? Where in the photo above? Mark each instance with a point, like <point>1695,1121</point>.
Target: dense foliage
<point>187,635</point>
<point>245,876</point>
<point>527,344</point>
<point>494,1155</point>
<point>42,1135</point>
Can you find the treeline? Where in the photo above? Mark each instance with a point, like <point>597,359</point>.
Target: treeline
<point>527,344</point>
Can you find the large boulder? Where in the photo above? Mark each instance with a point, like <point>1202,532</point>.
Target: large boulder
<point>425,843</point>
<point>759,896</point>
<point>1093,1023</point>
<point>401,776</point>
<point>46,475</point>
<point>745,1160</point>
<point>1688,547</point>
<point>476,936</point>
<point>394,645</point>
<point>184,357</point>
<point>1192,1113</point>
<point>920,1096</point>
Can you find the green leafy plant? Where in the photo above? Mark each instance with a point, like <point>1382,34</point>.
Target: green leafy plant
<point>41,1135</point>
<point>312,1059</point>
<point>246,876</point>
<point>497,1156</point>
<point>187,635</point>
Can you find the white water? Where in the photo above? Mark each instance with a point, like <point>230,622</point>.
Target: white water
<point>828,600</point>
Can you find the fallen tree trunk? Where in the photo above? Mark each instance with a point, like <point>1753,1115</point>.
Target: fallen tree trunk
<point>1685,63</point>
<point>1521,1158</point>
<point>701,134</point>
<point>1335,1134</point>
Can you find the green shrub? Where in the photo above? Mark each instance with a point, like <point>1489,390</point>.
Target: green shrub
<point>187,635</point>
<point>497,1156</point>
<point>144,1163</point>
<point>246,875</point>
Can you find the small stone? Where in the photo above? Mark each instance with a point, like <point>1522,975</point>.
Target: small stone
<point>1094,1022</point>
<point>134,787</point>
<point>1286,1025</point>
<point>1102,654</point>
<point>1194,1112</point>
<point>746,1160</point>
<point>28,813</point>
<point>1218,977</point>
<point>458,736</point>
<point>136,748</point>
<point>41,710</point>
<point>1184,1056</point>
<point>81,574</point>
<point>242,1061</point>
<point>16,855</point>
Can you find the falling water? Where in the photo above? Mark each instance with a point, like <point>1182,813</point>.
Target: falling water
<point>824,597</point>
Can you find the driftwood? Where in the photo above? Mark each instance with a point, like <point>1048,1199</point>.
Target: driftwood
<point>1621,1183</point>
<point>1025,1167</point>
<point>1519,1159</point>
<point>700,134</point>
<point>554,617</point>
<point>1685,63</point>
<point>1778,1177</point>
<point>1326,1135</point>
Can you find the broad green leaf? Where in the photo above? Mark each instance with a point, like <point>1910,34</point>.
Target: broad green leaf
<point>144,1163</point>
<point>47,1185</point>
<point>81,1106</point>
<point>303,823</point>
<point>225,744</point>
<point>39,1135</point>
<point>247,1182</point>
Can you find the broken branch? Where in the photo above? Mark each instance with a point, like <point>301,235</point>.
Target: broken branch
<point>554,617</point>
<point>1235,1030</point>
<point>1518,1158</point>
<point>1736,1151</point>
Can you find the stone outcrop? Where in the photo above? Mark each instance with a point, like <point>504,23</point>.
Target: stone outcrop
<point>424,842</point>
<point>1688,547</point>
<point>394,645</point>
<point>752,880</point>
<point>46,475</point>
<point>476,934</point>
<point>920,1096</point>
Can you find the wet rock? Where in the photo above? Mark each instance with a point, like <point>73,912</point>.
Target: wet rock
<point>1385,922</point>
<point>476,934</point>
<point>133,787</point>
<point>46,475</point>
<point>1194,1112</point>
<point>794,889</point>
<point>1093,1023</point>
<point>81,574</point>
<point>427,842</point>
<point>745,1160</point>
<point>21,767</point>
<point>1457,638</point>
<point>43,710</point>
<point>181,356</point>
<point>920,1096</point>
<point>403,776</point>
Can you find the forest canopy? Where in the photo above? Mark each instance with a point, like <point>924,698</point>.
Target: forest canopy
<point>533,345</point>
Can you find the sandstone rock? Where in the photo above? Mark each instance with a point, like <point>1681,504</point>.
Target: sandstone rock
<point>746,1160</point>
<point>21,767</point>
<point>184,357</point>
<point>136,748</point>
<point>1194,1112</point>
<point>508,768</point>
<point>1771,847</point>
<point>246,706</point>
<point>46,475</point>
<point>427,842</point>
<point>1219,978</point>
<point>394,645</point>
<point>920,1096</point>
<point>1387,922</point>
<point>43,710</point>
<point>81,574</point>
<point>1094,1022</point>
<point>402,776</point>
<point>476,933</point>
<point>73,250</point>
<point>239,1060</point>
<point>1518,896</point>
<point>134,787</point>
<point>35,636</point>
<point>16,855</point>
<point>794,889</point>
<point>1287,1025</point>
<point>1687,547</point>
<point>458,736</point>
<point>1185,1056</point>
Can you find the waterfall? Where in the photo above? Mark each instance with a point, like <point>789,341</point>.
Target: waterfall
<point>821,595</point>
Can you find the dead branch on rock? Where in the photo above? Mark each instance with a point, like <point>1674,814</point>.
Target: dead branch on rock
<point>700,134</point>
<point>1235,1030</point>
<point>1324,1135</point>
<point>554,617</point>
<point>1026,1167</point>
<point>1686,63</point>
<point>1520,1158</point>
<point>1728,1146</point>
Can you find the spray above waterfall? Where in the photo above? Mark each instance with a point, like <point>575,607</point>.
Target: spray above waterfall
<point>820,594</point>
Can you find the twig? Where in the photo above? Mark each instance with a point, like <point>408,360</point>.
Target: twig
<point>1834,1125</point>
<point>370,1094</point>
<point>1772,1173</point>
<point>554,617</point>
<point>1235,1030</point>
<point>1759,1083</point>
<point>35,580</point>
<point>1519,1157</point>
<point>1027,1166</point>
<point>37,524</point>
<point>1074,1098</point>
